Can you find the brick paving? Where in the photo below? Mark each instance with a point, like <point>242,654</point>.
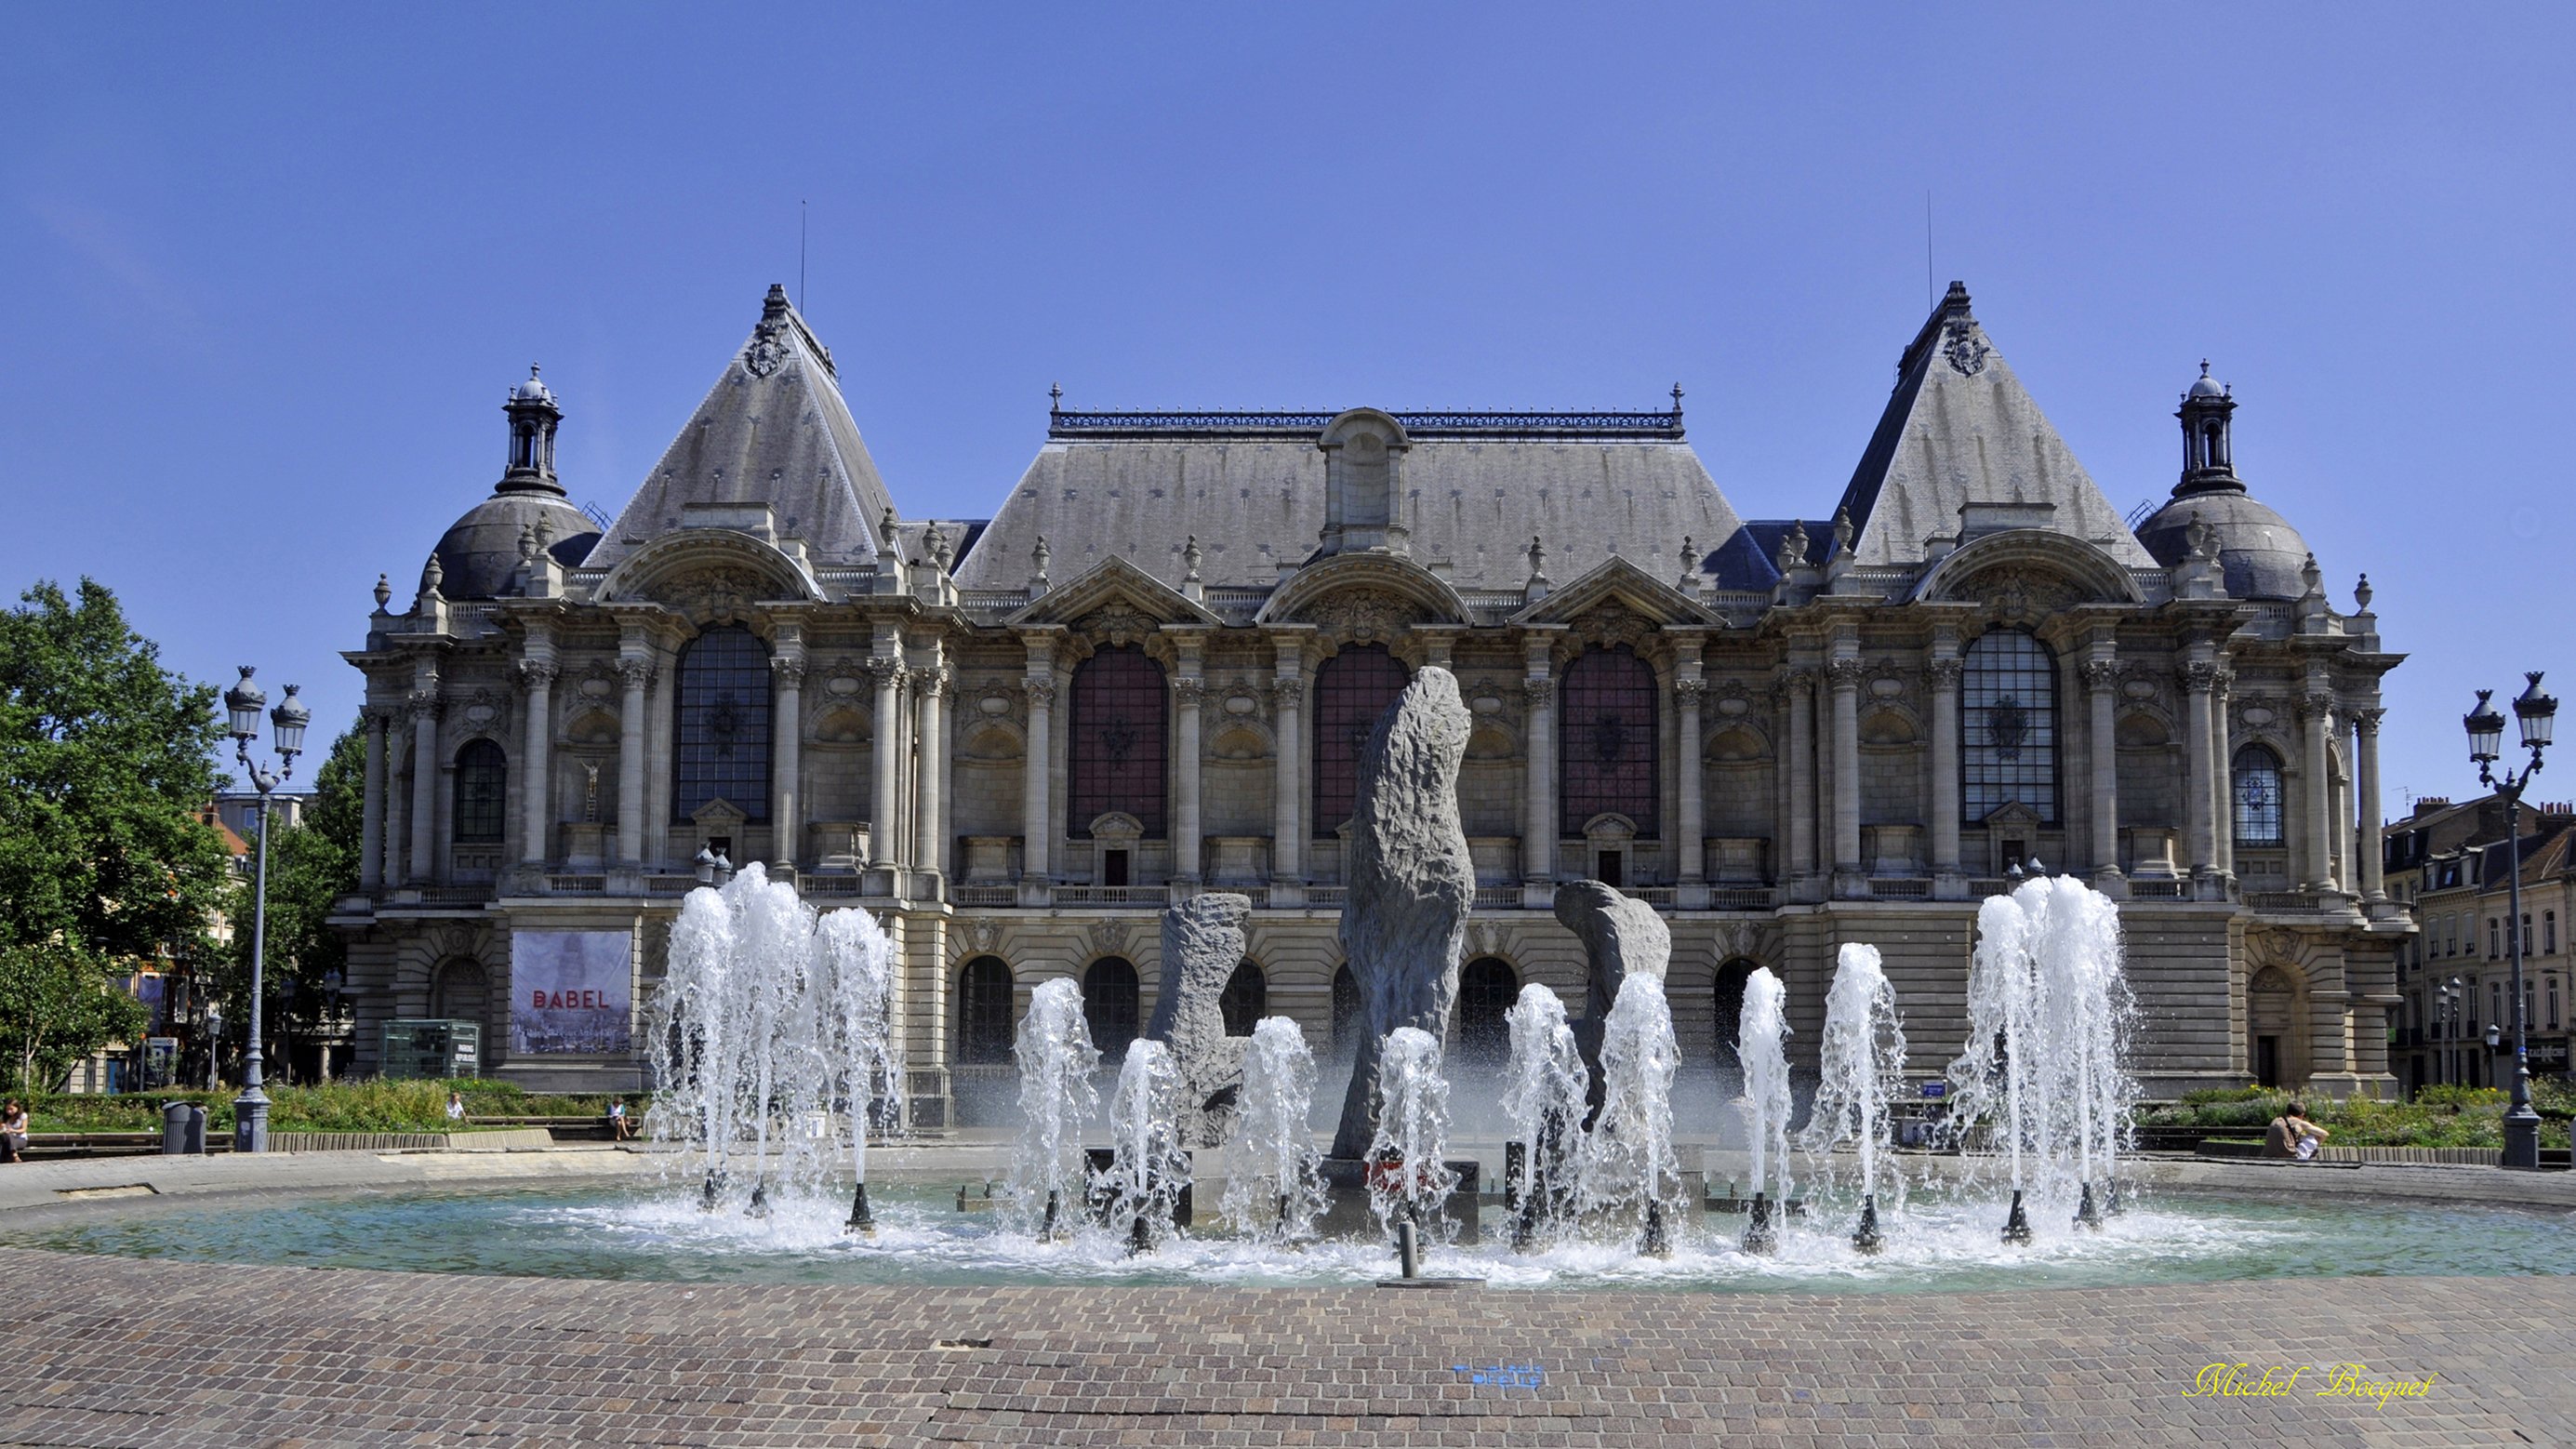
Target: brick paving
<point>106,1352</point>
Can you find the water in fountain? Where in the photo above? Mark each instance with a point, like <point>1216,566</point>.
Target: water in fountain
<point>1274,1191</point>
<point>1407,1178</point>
<point>1147,1168</point>
<point>1863,1071</point>
<point>762,1020</point>
<point>1057,1095</point>
<point>1543,1101</point>
<point>2048,1024</point>
<point>1758,1046</point>
<point>1630,1176</point>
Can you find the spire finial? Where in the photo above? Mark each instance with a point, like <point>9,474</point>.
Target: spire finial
<point>1677,399</point>
<point>1055,397</point>
<point>2204,367</point>
<point>2361,594</point>
<point>384,592</point>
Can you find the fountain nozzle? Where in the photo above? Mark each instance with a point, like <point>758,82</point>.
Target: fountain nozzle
<point>1655,1243</point>
<point>1408,1249</point>
<point>2017,1222</point>
<point>861,1220</point>
<point>714,1190</point>
<point>1866,1238</point>
<point>1759,1235</point>
<point>1054,1205</point>
<point>758,1207</point>
<point>1140,1237</point>
<point>2087,1215</point>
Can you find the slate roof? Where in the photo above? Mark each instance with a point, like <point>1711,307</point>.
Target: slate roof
<point>773,430</point>
<point>1961,429</point>
<point>1250,487</point>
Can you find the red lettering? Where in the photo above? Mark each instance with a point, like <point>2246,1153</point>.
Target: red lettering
<point>537,1000</point>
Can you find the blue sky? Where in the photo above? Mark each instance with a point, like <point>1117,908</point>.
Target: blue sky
<point>264,275</point>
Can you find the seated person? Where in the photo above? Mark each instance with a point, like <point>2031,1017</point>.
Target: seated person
<point>2293,1136</point>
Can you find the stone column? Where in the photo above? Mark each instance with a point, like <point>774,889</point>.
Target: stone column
<point>2222,771</point>
<point>1189,687</point>
<point>1844,674</point>
<point>885,755</point>
<point>1037,816</point>
<point>2101,689</point>
<point>661,758</point>
<point>2374,887</point>
<point>1688,691</point>
<point>787,725</point>
<point>371,818</point>
<point>2317,823</point>
<point>536,810</point>
<point>1288,778</point>
<point>397,823</point>
<point>2199,798</point>
<point>1802,773</point>
<point>634,671</point>
<point>926,842</point>
<point>1942,768</point>
<point>422,858</point>
<point>1538,829</point>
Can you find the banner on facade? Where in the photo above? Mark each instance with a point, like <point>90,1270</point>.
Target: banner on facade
<point>571,991</point>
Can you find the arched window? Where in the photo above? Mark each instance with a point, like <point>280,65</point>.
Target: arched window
<point>1730,1010</point>
<point>1109,1005</point>
<point>458,993</point>
<point>1352,690</point>
<point>1116,750</point>
<point>1246,999</point>
<point>2008,703</point>
<point>1605,741</point>
<point>1487,987</point>
<point>482,792</point>
<point>722,752</point>
<point>2257,793</point>
<point>984,1012</point>
<point>1348,1016</point>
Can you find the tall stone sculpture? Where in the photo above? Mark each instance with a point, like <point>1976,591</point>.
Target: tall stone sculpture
<point>1202,946</point>
<point>1409,884</point>
<point>1621,937</point>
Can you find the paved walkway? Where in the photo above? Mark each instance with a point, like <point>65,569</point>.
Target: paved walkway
<point>119,1352</point>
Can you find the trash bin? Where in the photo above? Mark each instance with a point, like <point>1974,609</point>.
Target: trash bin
<point>174,1127</point>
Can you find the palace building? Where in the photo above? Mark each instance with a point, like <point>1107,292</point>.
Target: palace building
<point>1148,674</point>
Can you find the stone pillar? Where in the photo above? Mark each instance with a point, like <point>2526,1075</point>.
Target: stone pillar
<point>1942,769</point>
<point>926,843</point>
<point>1288,779</point>
<point>397,822</point>
<point>787,727</point>
<point>2222,771</point>
<point>1538,829</point>
<point>2374,886</point>
<point>536,810</point>
<point>2200,844</point>
<point>1037,816</point>
<point>1688,691</point>
<point>1802,773</point>
<point>2317,814</point>
<point>634,671</point>
<point>2101,692</point>
<point>1844,674</point>
<point>661,758</point>
<point>422,858</point>
<point>371,819</point>
<point>885,841</point>
<point>1188,689</point>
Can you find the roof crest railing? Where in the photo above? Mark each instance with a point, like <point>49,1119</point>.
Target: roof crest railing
<point>1645,426</point>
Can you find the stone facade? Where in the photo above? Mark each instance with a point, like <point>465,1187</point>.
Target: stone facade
<point>1018,738</point>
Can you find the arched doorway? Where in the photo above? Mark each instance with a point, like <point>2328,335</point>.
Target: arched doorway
<point>460,992</point>
<point>1729,1005</point>
<point>984,1013</point>
<point>1348,1019</point>
<point>1246,999</point>
<point>1486,990</point>
<point>2276,1054</point>
<point>1109,1006</point>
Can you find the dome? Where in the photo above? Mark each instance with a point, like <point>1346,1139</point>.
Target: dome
<point>2259,554</point>
<point>481,552</point>
<point>2205,385</point>
<point>532,390</point>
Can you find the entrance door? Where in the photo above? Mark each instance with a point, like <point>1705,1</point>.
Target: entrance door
<point>2267,1060</point>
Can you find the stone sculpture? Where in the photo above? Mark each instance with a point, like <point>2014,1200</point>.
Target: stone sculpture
<point>1621,936</point>
<point>1202,946</point>
<point>1409,884</point>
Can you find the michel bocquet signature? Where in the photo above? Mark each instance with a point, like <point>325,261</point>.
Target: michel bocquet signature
<point>2281,1381</point>
<point>1503,1375</point>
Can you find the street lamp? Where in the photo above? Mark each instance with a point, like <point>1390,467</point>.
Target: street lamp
<point>2537,713</point>
<point>242,702</point>
<point>2447,1008</point>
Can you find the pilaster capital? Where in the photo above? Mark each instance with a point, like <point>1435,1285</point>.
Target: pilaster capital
<point>1040,692</point>
<point>2101,675</point>
<point>1845,674</point>
<point>1945,673</point>
<point>1689,692</point>
<point>2315,707</point>
<point>536,674</point>
<point>887,671</point>
<point>1538,693</point>
<point>636,673</point>
<point>2367,720</point>
<point>382,717</point>
<point>1794,683</point>
<point>788,670</point>
<point>1188,689</point>
<point>2199,676</point>
<point>424,708</point>
<point>1287,693</point>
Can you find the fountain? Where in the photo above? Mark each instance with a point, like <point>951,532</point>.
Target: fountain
<point>1765,1104</point>
<point>1148,1171</point>
<point>1629,1171</point>
<point>1274,1191</point>
<point>767,1014</point>
<point>1056,1062</point>
<point>1863,1070</point>
<point>2044,1069</point>
<point>1408,1182</point>
<point>1543,1100</point>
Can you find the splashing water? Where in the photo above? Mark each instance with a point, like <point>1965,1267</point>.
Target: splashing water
<point>1630,1174</point>
<point>1765,1103</point>
<point>1407,1177</point>
<point>1057,1095</point>
<point>1863,1071</point>
<point>1275,1190</point>
<point>1147,1168</point>
<point>2048,1028</point>
<point>1543,1101</point>
<point>769,1022</point>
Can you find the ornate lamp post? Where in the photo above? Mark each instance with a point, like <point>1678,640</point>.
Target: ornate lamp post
<point>2537,713</point>
<point>242,702</point>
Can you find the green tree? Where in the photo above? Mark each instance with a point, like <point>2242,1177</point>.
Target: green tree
<point>105,765</point>
<point>309,865</point>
